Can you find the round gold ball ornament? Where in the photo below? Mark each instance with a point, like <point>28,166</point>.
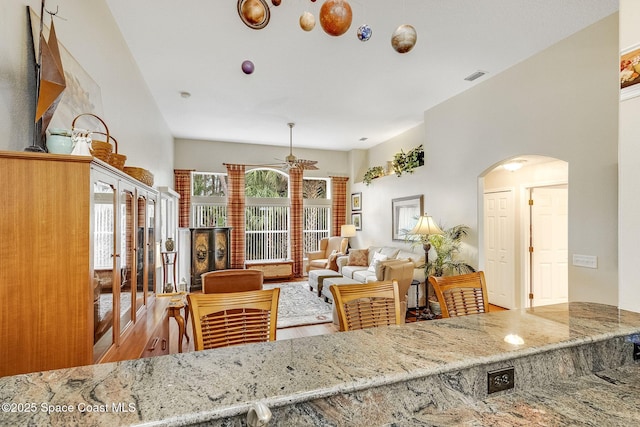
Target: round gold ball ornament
<point>335,17</point>
<point>307,21</point>
<point>254,13</point>
<point>404,38</point>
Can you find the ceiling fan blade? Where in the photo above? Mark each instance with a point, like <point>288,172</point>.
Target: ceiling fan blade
<point>307,164</point>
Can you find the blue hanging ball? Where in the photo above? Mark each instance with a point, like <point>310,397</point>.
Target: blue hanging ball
<point>364,33</point>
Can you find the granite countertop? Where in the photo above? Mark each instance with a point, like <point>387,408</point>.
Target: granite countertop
<point>196,387</point>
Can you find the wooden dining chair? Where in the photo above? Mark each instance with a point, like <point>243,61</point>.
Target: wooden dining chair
<point>461,295</point>
<point>226,319</point>
<point>232,280</point>
<point>367,305</point>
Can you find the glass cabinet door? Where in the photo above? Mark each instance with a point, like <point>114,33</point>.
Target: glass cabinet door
<point>151,246</point>
<point>140,251</point>
<point>104,266</point>
<point>127,251</point>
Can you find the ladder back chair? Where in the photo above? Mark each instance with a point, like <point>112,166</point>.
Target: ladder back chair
<point>367,305</point>
<point>461,295</point>
<point>226,319</point>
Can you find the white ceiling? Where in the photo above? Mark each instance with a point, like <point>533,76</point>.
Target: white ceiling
<point>336,89</point>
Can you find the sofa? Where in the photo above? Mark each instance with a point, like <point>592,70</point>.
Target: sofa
<point>328,246</point>
<point>383,263</point>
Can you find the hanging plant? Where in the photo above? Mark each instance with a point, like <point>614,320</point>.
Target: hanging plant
<point>407,162</point>
<point>372,173</point>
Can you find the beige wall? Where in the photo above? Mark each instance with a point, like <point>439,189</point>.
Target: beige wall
<point>629,158</point>
<point>208,156</point>
<point>93,38</point>
<point>561,103</point>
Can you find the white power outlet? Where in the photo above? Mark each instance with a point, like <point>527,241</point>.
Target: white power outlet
<point>589,261</point>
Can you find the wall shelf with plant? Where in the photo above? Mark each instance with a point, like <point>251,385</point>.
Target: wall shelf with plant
<point>407,162</point>
<point>372,173</point>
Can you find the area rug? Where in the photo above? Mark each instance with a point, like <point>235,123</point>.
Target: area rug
<point>299,306</point>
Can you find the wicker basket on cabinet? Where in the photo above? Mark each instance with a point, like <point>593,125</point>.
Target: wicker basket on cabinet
<point>103,150</point>
<point>142,175</point>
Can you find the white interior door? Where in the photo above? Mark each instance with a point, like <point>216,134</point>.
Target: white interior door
<point>499,248</point>
<point>549,232</point>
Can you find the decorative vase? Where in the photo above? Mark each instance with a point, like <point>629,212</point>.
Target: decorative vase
<point>169,245</point>
<point>59,141</point>
<point>168,288</point>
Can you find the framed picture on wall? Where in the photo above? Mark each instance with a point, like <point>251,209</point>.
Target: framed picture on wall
<point>356,220</point>
<point>356,201</point>
<point>630,72</point>
<point>405,212</point>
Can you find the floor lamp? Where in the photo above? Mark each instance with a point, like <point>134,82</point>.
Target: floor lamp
<point>426,227</point>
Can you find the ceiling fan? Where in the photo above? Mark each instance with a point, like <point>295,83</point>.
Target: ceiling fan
<point>291,161</point>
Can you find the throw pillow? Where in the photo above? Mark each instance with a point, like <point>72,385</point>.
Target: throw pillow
<point>382,265</point>
<point>377,257</point>
<point>359,257</point>
<point>332,261</point>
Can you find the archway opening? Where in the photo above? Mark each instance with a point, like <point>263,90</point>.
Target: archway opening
<point>524,232</point>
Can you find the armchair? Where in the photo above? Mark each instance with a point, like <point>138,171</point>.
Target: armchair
<point>318,259</point>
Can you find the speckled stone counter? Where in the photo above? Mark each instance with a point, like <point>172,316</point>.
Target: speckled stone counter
<point>574,367</point>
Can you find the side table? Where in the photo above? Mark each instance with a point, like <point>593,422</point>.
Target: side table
<point>416,283</point>
<point>175,307</point>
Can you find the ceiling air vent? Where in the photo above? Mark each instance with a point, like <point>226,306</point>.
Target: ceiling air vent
<point>475,75</point>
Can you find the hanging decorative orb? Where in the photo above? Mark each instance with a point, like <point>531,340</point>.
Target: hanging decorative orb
<point>307,21</point>
<point>254,13</point>
<point>247,67</point>
<point>364,33</point>
<point>276,2</point>
<point>404,38</point>
<point>335,17</point>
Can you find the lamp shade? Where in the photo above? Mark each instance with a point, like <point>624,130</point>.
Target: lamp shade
<point>426,226</point>
<point>347,230</point>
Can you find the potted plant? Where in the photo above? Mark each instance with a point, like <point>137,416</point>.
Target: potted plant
<point>407,162</point>
<point>372,173</point>
<point>447,247</point>
<point>445,263</point>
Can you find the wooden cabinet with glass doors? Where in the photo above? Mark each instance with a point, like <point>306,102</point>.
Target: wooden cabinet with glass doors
<point>124,247</point>
<point>78,254</point>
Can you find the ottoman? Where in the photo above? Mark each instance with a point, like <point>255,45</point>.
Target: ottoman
<point>328,296</point>
<point>316,279</point>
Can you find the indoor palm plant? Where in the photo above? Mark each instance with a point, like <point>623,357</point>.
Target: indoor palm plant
<point>447,247</point>
<point>446,263</point>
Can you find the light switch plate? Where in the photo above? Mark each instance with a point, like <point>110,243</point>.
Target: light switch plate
<point>588,261</point>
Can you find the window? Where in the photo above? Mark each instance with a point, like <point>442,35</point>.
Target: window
<point>208,184</point>
<point>266,211</point>
<point>266,214</point>
<point>208,199</point>
<point>316,212</point>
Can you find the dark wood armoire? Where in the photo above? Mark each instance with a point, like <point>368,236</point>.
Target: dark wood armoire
<point>210,250</point>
